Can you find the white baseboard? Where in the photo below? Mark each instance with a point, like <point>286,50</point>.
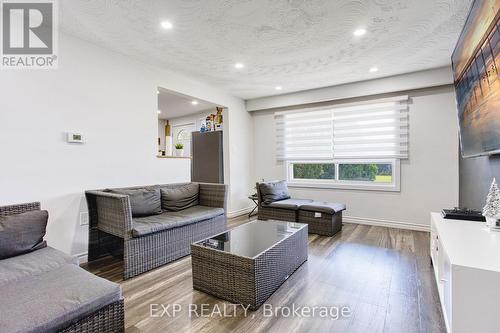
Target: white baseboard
<point>82,257</point>
<point>386,223</point>
<point>240,212</point>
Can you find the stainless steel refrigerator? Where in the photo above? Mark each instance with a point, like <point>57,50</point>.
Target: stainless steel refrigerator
<point>207,157</point>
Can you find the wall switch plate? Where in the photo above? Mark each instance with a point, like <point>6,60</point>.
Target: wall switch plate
<point>316,214</point>
<point>84,218</point>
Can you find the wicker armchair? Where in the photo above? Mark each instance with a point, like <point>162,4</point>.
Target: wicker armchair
<point>109,318</point>
<point>323,218</point>
<point>271,213</point>
<point>112,225</point>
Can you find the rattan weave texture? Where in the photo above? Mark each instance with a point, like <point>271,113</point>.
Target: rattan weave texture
<point>244,280</point>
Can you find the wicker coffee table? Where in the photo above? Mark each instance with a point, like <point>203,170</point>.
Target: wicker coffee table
<point>247,264</point>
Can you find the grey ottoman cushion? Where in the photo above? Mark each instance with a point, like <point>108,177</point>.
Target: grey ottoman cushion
<point>33,263</point>
<point>324,207</point>
<point>179,198</point>
<point>143,201</point>
<point>274,191</point>
<point>22,233</point>
<point>292,204</point>
<point>168,220</point>
<point>54,300</point>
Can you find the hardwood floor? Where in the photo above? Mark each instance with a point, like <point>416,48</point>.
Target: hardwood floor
<point>383,275</point>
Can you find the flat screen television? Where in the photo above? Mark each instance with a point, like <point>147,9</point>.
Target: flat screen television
<point>476,69</point>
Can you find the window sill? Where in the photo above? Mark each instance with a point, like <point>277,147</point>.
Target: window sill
<point>340,186</point>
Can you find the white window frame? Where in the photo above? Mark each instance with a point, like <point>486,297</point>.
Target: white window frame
<point>394,186</point>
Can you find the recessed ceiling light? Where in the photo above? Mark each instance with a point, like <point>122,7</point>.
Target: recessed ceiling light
<point>158,111</point>
<point>359,32</point>
<point>167,25</point>
<point>239,65</point>
<point>194,102</point>
<point>157,92</point>
<point>373,69</point>
<point>278,87</point>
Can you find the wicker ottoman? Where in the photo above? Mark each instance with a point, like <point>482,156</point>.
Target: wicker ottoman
<point>323,218</point>
<point>248,263</point>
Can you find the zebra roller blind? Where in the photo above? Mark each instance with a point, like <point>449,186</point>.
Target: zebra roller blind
<point>374,129</point>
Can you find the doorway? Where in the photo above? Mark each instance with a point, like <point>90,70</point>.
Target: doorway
<point>192,129</point>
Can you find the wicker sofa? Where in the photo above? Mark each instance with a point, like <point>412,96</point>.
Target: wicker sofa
<point>323,218</point>
<point>148,242</point>
<point>46,291</point>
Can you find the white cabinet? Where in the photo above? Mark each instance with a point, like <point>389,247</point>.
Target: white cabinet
<point>445,280</point>
<point>466,260</point>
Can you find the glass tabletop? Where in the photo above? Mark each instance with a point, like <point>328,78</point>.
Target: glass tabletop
<point>253,238</point>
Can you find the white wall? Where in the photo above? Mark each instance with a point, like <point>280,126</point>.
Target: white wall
<point>429,178</point>
<point>112,100</point>
<point>192,118</point>
<point>435,77</point>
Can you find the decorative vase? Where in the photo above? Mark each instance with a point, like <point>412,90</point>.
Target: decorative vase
<point>179,152</point>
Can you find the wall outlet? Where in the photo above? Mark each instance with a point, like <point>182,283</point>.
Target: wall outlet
<point>84,218</point>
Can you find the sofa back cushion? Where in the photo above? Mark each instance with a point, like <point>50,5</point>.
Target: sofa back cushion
<point>273,191</point>
<point>143,201</point>
<point>22,233</point>
<point>181,197</point>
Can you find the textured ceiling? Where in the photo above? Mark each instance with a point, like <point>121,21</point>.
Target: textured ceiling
<point>297,44</point>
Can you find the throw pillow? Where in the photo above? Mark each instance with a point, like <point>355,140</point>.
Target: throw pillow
<point>179,198</point>
<point>22,233</point>
<point>143,201</point>
<point>274,191</point>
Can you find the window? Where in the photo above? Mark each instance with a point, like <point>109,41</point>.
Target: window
<point>313,171</point>
<point>183,135</point>
<point>349,174</point>
<point>350,146</point>
<point>366,172</point>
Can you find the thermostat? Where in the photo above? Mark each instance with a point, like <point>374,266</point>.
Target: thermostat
<point>75,138</point>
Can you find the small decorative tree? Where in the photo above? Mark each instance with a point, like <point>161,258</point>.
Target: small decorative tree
<point>492,207</point>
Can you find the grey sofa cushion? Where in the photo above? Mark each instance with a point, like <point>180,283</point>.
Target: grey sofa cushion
<point>33,263</point>
<point>169,220</point>
<point>143,201</point>
<point>324,207</point>
<point>54,300</point>
<point>292,204</point>
<point>274,191</point>
<point>181,197</point>
<point>22,233</point>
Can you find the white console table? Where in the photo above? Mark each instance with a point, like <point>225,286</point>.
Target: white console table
<point>466,260</point>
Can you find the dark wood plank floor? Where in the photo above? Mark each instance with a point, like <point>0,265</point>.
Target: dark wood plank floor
<point>383,275</point>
